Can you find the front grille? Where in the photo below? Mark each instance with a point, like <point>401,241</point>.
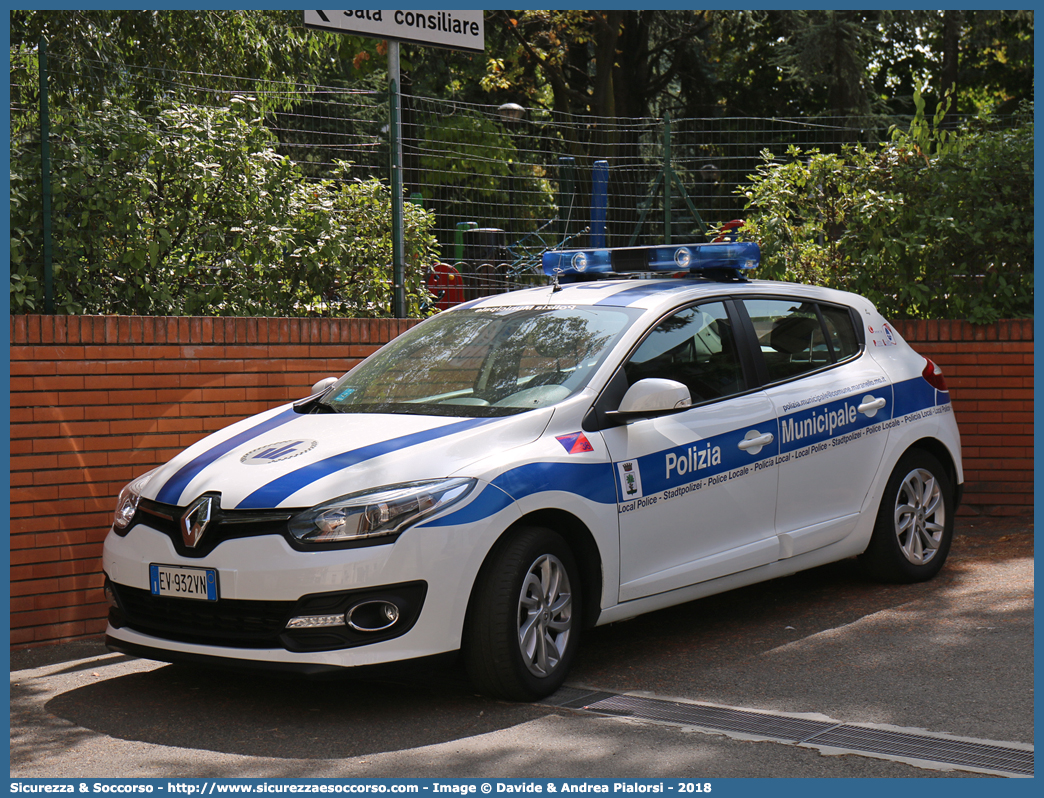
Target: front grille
<point>234,524</point>
<point>241,623</point>
<point>224,525</point>
<point>227,622</point>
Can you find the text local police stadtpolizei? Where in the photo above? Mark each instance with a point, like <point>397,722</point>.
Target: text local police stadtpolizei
<point>440,21</point>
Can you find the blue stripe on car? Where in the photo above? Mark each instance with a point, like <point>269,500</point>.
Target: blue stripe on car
<point>593,481</point>
<point>694,461</point>
<point>917,394</point>
<point>830,420</point>
<point>708,457</point>
<point>486,504</point>
<point>643,289</point>
<point>278,490</point>
<point>172,489</point>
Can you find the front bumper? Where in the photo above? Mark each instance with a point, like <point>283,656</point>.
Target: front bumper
<point>164,653</point>
<point>264,582</point>
<point>267,662</point>
<point>268,624</point>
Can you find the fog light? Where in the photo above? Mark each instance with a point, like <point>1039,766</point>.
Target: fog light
<point>372,616</point>
<point>315,621</point>
<point>110,595</point>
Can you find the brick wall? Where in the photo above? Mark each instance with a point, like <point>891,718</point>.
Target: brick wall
<point>989,370</point>
<point>96,401</point>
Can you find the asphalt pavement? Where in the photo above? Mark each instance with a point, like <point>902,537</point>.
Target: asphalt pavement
<point>952,658</point>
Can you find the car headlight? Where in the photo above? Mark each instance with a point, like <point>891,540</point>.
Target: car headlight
<point>127,501</point>
<point>384,511</point>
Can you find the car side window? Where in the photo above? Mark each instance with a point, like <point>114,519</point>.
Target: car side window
<point>793,339</point>
<point>840,331</point>
<point>696,347</point>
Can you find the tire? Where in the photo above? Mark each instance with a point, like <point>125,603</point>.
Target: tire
<point>524,621</point>
<point>914,526</point>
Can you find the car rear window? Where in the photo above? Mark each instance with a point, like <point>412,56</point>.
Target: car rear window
<point>797,336</point>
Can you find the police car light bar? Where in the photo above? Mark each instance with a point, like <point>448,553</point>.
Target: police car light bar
<point>732,256</point>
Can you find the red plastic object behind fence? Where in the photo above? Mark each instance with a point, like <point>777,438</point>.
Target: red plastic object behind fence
<point>446,284</point>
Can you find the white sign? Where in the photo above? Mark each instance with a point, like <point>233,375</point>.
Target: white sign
<point>456,30</point>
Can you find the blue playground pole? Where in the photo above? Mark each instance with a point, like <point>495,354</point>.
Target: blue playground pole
<point>599,202</point>
<point>566,196</point>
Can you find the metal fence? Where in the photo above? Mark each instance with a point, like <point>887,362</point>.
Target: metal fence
<point>507,182</point>
<point>504,182</point>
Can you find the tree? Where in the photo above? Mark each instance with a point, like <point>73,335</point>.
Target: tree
<point>827,53</point>
<point>593,73</point>
<point>770,63</point>
<point>190,210</point>
<point>934,224</point>
<point>90,50</point>
<point>995,69</point>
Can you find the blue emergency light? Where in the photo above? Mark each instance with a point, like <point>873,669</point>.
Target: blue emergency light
<point>730,256</point>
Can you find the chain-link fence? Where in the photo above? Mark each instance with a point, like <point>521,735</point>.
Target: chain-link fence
<point>504,182</point>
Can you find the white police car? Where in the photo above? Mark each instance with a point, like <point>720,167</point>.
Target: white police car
<point>527,465</point>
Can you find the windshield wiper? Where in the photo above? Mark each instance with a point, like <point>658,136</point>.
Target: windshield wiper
<point>313,404</point>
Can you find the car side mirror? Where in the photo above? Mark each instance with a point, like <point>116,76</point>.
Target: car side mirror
<point>323,384</point>
<point>653,396</point>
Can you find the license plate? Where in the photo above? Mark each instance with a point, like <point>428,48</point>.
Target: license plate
<point>181,582</point>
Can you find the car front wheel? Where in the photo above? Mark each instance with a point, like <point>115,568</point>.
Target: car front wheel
<point>524,621</point>
<point>914,524</point>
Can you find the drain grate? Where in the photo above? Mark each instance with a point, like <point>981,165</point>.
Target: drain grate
<point>963,753</point>
<point>929,749</point>
<point>576,698</point>
<point>734,720</point>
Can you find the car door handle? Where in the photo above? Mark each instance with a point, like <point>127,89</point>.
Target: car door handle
<point>876,404</point>
<point>761,440</point>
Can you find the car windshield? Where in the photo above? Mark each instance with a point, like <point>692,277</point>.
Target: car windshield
<point>483,362</point>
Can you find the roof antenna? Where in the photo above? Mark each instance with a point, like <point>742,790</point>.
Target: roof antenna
<point>555,287</point>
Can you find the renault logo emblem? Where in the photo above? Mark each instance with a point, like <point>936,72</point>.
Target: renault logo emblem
<point>194,521</point>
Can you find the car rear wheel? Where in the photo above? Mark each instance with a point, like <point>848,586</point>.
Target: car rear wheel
<point>914,523</point>
<point>524,621</point>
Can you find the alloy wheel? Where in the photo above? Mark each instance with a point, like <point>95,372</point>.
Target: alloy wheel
<point>920,516</point>
<point>545,615</point>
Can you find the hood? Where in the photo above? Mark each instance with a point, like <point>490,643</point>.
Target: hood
<point>285,459</point>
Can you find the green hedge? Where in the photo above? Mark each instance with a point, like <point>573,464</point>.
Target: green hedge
<point>934,224</point>
<point>187,210</point>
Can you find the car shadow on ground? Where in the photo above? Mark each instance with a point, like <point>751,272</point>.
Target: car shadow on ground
<point>257,715</point>
<point>725,630</point>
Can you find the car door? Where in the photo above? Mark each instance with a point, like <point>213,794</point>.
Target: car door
<point>696,494</point>
<point>831,399</point>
